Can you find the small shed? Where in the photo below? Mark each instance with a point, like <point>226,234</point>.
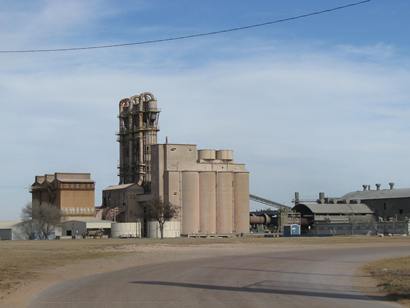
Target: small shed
<point>84,227</point>
<point>12,230</point>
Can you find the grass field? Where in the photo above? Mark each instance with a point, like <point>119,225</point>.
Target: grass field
<point>23,261</point>
<point>393,277</point>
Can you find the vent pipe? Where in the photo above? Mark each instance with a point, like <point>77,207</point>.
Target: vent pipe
<point>378,186</point>
<point>322,197</point>
<point>391,185</point>
<point>296,198</point>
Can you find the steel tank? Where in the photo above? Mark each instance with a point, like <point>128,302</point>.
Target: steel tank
<point>241,202</point>
<point>207,202</point>
<point>190,202</point>
<point>224,203</point>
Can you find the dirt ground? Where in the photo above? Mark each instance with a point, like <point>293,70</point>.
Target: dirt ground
<point>27,267</point>
<point>393,277</point>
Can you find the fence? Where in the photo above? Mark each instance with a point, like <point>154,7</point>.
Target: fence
<point>385,227</point>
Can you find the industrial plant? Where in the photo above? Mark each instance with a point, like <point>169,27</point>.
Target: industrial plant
<point>208,189</point>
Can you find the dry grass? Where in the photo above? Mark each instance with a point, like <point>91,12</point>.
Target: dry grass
<point>393,277</point>
<point>22,261</point>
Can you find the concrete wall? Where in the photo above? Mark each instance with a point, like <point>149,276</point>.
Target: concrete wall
<point>126,230</point>
<point>171,229</point>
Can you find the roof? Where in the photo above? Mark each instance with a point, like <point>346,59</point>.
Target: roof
<point>75,181</point>
<point>64,177</point>
<point>339,208</point>
<point>378,194</point>
<point>8,224</point>
<point>121,186</point>
<point>87,220</point>
<point>71,175</point>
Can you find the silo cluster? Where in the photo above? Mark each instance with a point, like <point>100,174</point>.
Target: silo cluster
<point>215,201</point>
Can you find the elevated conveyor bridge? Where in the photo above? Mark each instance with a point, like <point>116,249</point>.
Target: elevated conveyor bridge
<point>268,202</point>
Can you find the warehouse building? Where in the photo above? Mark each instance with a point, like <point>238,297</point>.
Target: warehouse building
<point>388,204</point>
<point>209,189</point>
<point>335,218</point>
<point>72,193</point>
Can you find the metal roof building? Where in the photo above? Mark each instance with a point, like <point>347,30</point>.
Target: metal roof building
<point>388,204</point>
<point>378,194</point>
<point>12,230</point>
<point>335,218</point>
<point>334,209</point>
<point>80,227</point>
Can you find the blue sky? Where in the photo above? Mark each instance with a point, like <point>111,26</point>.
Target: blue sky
<point>319,104</point>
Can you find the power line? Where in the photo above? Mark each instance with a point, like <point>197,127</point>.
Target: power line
<point>196,35</point>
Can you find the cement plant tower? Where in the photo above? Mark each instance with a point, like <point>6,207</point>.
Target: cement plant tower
<point>138,117</point>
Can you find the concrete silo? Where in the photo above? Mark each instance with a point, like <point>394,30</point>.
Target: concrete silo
<point>241,202</point>
<point>224,203</point>
<point>207,202</point>
<point>190,202</point>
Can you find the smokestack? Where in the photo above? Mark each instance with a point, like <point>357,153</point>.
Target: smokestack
<point>391,185</point>
<point>378,186</point>
<point>322,197</point>
<point>364,187</point>
<point>296,198</point>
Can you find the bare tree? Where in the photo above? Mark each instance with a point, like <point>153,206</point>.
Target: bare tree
<point>161,212</point>
<point>40,220</point>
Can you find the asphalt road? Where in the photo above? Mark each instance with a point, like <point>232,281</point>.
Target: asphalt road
<point>308,278</point>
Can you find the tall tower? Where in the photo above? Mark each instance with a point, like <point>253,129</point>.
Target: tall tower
<point>138,120</point>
